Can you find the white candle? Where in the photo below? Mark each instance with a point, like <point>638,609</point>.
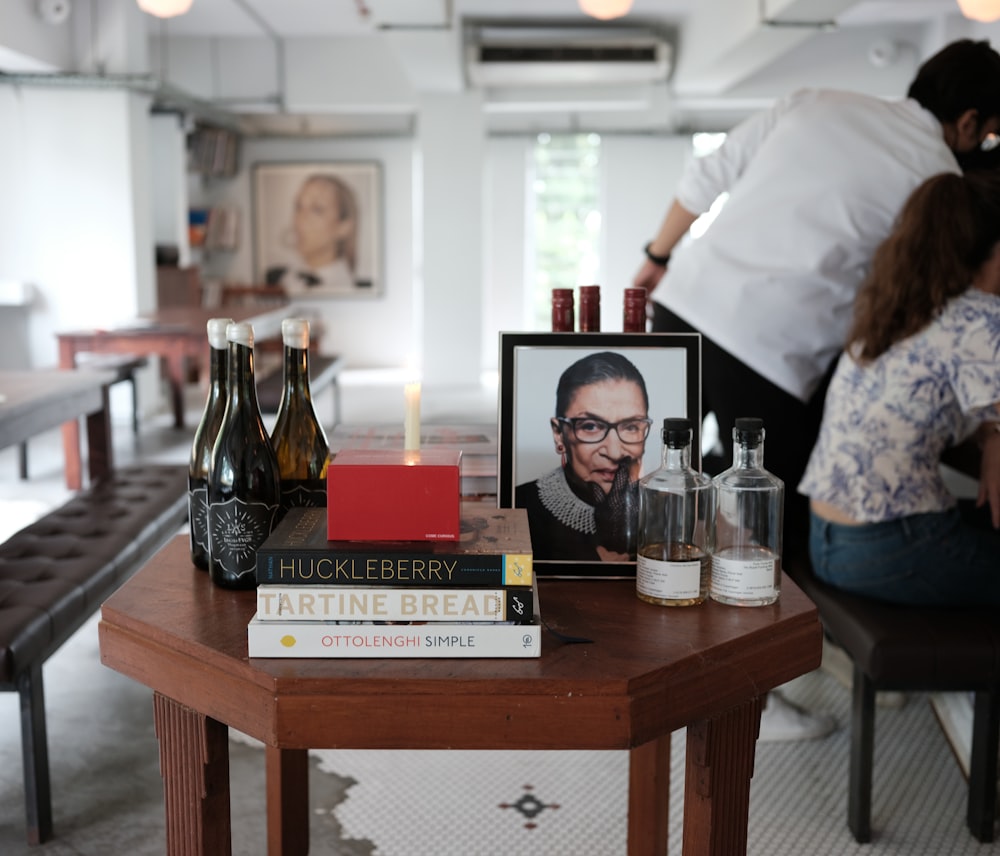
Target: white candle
<point>411,423</point>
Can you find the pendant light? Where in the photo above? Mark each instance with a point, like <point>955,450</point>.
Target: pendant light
<point>605,9</point>
<point>980,10</point>
<point>164,8</point>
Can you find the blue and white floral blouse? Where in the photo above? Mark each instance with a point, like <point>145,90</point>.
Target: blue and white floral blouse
<point>886,424</point>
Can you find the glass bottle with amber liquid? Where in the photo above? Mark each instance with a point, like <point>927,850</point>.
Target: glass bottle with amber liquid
<point>298,439</point>
<point>244,489</point>
<point>204,439</point>
<point>676,515</point>
<point>746,562</point>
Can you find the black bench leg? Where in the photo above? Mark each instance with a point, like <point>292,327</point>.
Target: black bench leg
<point>135,404</point>
<point>983,765</point>
<point>22,461</point>
<point>859,794</point>
<point>35,750</point>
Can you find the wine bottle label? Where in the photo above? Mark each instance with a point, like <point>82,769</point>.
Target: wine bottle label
<point>309,492</point>
<point>744,578</point>
<point>673,580</point>
<point>236,529</point>
<point>198,515</point>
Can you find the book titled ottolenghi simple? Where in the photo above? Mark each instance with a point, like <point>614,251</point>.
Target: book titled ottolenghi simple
<point>493,549</point>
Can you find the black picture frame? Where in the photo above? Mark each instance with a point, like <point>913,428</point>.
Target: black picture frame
<point>530,366</point>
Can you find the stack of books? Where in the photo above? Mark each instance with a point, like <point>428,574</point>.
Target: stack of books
<point>475,597</point>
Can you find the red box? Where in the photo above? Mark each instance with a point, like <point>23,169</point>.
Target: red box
<point>393,495</point>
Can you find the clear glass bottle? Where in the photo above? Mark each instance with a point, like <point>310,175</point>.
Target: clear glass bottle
<point>634,311</point>
<point>676,516</point>
<point>204,439</point>
<point>563,310</point>
<point>746,561</point>
<point>298,438</point>
<point>244,489</point>
<point>590,309</point>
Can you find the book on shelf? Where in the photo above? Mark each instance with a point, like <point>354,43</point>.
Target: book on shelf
<point>390,603</point>
<point>493,549</point>
<point>437,639</point>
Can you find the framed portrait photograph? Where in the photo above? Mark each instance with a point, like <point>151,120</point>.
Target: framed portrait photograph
<point>580,417</point>
<point>317,228</point>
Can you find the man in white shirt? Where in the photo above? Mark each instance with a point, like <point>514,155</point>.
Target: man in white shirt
<point>814,186</point>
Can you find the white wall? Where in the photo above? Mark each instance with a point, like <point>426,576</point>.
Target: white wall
<point>371,331</point>
<point>76,206</point>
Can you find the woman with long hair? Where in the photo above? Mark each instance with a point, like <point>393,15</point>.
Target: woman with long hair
<point>920,374</point>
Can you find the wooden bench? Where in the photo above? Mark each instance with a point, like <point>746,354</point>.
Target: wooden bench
<point>907,648</point>
<point>55,573</point>
<point>324,371</point>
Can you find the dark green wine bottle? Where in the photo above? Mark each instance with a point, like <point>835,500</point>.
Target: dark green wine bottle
<point>204,439</point>
<point>244,487</point>
<point>298,438</point>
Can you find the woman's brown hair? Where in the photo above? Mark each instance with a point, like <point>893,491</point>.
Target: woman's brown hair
<point>945,232</point>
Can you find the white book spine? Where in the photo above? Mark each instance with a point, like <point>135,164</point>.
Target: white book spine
<point>323,639</point>
<point>389,603</point>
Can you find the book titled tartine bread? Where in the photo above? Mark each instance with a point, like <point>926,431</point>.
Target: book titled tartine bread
<point>493,549</point>
<point>435,639</point>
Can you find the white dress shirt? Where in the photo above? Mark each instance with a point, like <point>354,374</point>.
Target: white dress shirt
<point>814,185</point>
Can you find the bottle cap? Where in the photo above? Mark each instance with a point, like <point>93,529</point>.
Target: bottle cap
<point>295,333</point>
<point>241,333</point>
<point>749,429</point>
<point>676,432</point>
<point>217,332</point>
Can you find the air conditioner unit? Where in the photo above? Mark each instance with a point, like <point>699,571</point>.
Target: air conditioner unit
<point>511,55</point>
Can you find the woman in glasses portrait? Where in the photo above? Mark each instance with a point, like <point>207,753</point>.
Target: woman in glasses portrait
<point>586,507</point>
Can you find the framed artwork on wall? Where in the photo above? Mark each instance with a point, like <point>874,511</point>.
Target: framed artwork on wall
<point>317,228</point>
<point>580,416</point>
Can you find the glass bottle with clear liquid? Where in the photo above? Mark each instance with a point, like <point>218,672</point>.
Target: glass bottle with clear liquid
<point>298,438</point>
<point>244,487</point>
<point>204,439</point>
<point>676,516</point>
<point>746,561</point>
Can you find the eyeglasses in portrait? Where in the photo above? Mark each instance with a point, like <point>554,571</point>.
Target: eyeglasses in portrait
<point>580,417</point>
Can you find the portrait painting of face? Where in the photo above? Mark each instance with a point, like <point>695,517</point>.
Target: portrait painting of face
<point>317,228</point>
<point>579,426</point>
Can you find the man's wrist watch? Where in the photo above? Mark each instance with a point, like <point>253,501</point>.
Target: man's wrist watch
<point>662,261</point>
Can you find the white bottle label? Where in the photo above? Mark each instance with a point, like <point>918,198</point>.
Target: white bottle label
<point>668,580</point>
<point>744,579</point>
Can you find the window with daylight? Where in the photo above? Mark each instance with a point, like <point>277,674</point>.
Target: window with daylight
<point>566,208</point>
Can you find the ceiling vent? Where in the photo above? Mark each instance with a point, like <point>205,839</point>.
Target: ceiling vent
<point>507,55</point>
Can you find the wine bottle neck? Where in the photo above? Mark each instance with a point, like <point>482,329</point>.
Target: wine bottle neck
<point>242,389</point>
<point>296,372</point>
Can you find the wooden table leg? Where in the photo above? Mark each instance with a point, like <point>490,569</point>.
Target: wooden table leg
<point>100,455</point>
<point>720,757</point>
<point>71,430</point>
<point>194,764</point>
<point>287,802</point>
<point>649,798</point>
<point>176,367</point>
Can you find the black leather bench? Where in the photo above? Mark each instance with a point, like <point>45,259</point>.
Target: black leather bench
<point>55,573</point>
<point>913,649</point>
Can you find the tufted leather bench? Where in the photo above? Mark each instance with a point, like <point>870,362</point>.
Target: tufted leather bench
<point>55,573</point>
<point>906,648</point>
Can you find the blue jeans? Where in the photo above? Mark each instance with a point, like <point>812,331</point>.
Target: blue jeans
<point>949,558</point>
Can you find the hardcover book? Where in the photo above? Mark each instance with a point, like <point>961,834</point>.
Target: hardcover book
<point>389,603</point>
<point>438,639</point>
<point>493,549</point>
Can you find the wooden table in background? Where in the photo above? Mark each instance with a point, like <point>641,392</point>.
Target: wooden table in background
<point>177,334</point>
<point>37,400</point>
<point>648,671</point>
